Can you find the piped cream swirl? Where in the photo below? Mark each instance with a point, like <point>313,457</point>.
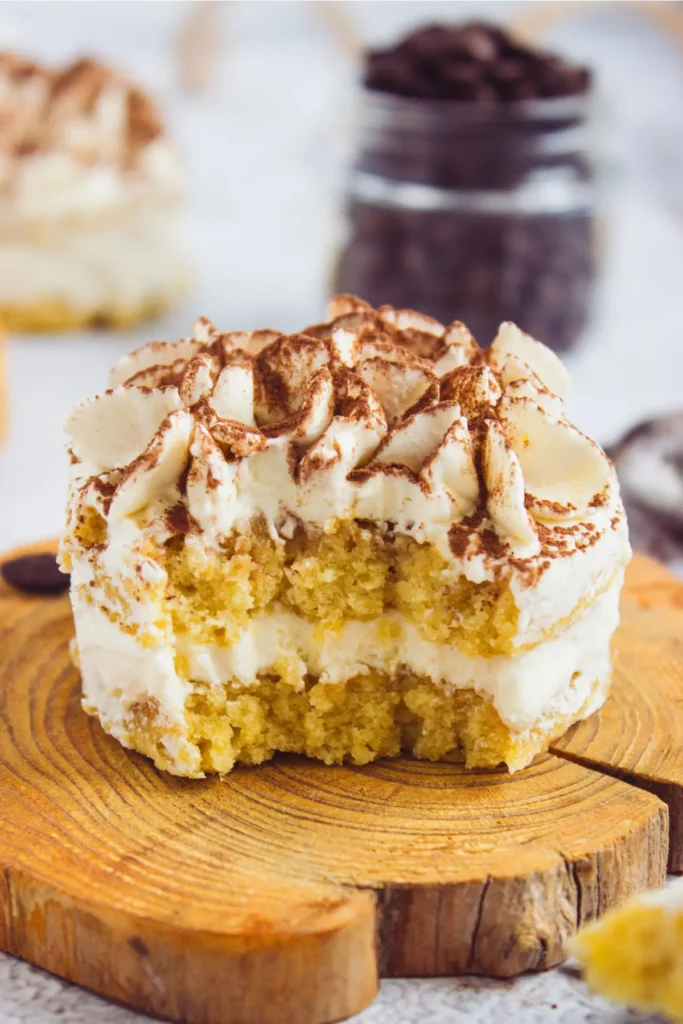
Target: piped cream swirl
<point>350,418</point>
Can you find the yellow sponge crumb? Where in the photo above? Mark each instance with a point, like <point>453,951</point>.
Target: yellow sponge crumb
<point>57,315</point>
<point>211,594</point>
<point>479,618</point>
<point>339,575</point>
<point>634,956</point>
<point>352,571</point>
<point>370,716</point>
<point>91,529</point>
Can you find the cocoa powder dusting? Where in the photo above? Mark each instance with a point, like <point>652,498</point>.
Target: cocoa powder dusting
<point>599,500</point>
<point>179,520</point>
<point>460,534</point>
<point>71,94</point>
<point>294,376</point>
<point>182,480</point>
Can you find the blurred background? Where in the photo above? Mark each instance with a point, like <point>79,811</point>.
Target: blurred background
<point>263,102</point>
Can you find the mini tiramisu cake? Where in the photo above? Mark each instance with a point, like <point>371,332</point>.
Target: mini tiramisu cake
<point>89,195</point>
<point>369,537</point>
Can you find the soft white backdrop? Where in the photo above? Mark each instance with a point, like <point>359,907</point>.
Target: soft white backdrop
<point>265,149</point>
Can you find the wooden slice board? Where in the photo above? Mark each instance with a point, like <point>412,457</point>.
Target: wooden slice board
<point>638,734</point>
<point>280,893</point>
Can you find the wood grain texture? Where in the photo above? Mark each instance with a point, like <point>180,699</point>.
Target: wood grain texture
<point>278,893</point>
<point>638,735</point>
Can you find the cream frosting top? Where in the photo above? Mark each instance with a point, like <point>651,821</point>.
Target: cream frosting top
<point>382,415</point>
<point>77,140</point>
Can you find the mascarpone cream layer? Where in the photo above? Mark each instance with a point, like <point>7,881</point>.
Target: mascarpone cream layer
<point>555,678</point>
<point>523,687</point>
<point>121,261</point>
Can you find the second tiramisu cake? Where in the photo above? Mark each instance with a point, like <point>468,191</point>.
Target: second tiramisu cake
<point>367,537</point>
<point>90,191</point>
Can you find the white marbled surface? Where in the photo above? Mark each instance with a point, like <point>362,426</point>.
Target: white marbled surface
<point>29,996</point>
<point>264,149</point>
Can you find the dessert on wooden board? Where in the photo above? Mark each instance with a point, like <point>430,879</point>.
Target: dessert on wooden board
<point>90,188</point>
<point>368,537</point>
<point>634,955</point>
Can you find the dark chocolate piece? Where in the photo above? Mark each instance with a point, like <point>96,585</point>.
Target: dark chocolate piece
<point>35,574</point>
<point>649,464</point>
<point>653,534</point>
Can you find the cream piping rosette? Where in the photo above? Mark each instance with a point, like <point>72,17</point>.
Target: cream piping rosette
<point>383,415</point>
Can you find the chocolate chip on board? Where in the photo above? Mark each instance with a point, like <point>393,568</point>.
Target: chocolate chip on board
<point>35,574</point>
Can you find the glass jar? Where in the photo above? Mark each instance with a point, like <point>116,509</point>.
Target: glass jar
<point>474,213</point>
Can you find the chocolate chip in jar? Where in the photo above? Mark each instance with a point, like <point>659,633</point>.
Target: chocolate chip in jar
<point>472,195</point>
<point>474,61</point>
